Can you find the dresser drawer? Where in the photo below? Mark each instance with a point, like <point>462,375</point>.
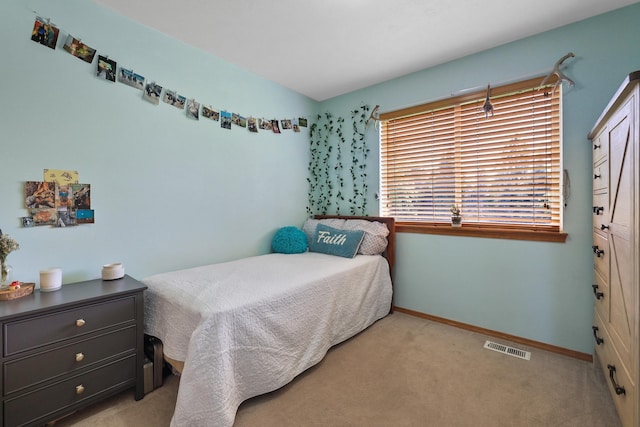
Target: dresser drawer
<point>600,145</point>
<point>60,397</point>
<point>43,330</point>
<point>601,295</point>
<point>28,371</point>
<point>600,332</point>
<point>601,213</point>
<point>601,176</point>
<point>601,254</point>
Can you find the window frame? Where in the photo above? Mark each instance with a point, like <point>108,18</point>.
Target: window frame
<point>484,230</point>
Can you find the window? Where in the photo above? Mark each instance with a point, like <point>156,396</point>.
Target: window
<point>503,170</point>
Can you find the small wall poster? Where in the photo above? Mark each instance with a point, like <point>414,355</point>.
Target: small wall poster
<point>81,196</point>
<point>84,216</point>
<point>62,177</point>
<point>40,195</point>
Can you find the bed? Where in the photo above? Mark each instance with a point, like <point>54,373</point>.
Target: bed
<point>243,328</point>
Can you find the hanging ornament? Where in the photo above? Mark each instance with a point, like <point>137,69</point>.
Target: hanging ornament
<point>487,107</point>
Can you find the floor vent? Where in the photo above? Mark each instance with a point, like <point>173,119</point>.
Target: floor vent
<point>511,351</point>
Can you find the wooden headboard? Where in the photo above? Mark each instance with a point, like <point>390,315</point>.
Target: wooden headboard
<point>390,252</point>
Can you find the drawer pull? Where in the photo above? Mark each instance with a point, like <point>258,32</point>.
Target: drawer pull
<point>612,372</point>
<point>599,295</point>
<point>596,176</point>
<point>598,210</point>
<point>604,227</point>
<point>595,147</point>
<point>596,250</point>
<point>79,389</point>
<point>79,357</point>
<point>595,335</point>
<point>80,322</point>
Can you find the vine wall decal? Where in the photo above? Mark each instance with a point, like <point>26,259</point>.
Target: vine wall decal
<point>338,184</point>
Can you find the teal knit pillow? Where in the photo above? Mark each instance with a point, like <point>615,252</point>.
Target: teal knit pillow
<point>289,240</point>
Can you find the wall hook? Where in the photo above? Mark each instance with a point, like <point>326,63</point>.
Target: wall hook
<point>373,115</point>
<point>558,73</point>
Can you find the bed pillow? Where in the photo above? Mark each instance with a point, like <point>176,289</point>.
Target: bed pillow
<point>310,225</point>
<point>289,240</point>
<point>375,235</point>
<point>332,241</point>
<point>375,232</point>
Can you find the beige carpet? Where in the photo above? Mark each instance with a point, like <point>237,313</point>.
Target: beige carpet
<point>405,371</point>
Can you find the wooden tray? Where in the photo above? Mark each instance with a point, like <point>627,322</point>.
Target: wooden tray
<point>25,289</point>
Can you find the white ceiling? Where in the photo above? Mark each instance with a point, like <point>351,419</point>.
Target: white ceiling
<point>325,48</point>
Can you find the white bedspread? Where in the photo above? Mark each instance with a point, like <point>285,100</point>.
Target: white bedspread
<point>247,327</point>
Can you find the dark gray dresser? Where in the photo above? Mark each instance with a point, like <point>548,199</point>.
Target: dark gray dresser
<point>66,349</point>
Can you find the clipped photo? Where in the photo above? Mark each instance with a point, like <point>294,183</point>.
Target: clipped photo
<point>238,120</point>
<point>193,109</point>
<point>286,124</point>
<point>171,97</point>
<point>265,124</point>
<point>130,78</point>
<point>106,68</point>
<point>210,113</point>
<point>152,93</point>
<point>225,120</point>
<point>274,126</point>
<point>78,49</point>
<point>45,33</point>
<point>252,124</point>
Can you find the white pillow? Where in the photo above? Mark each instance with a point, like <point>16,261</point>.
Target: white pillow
<point>309,226</point>
<point>375,232</point>
<point>375,235</point>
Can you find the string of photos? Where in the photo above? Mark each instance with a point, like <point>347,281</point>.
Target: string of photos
<point>47,34</point>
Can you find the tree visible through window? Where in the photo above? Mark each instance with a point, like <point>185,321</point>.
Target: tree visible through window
<point>501,170</point>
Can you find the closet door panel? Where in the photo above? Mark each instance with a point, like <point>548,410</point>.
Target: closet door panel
<point>622,288</point>
<point>622,296</point>
<point>621,186</point>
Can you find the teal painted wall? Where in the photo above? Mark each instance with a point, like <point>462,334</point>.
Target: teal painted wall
<point>168,192</point>
<point>540,291</point>
<point>172,193</point>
